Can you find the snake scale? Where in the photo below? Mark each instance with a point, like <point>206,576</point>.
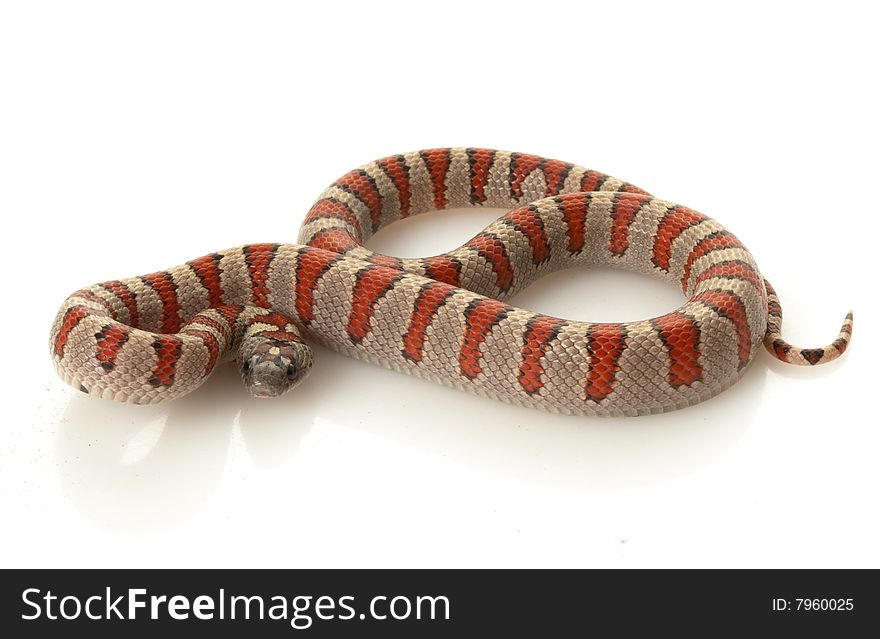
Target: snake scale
<point>445,318</point>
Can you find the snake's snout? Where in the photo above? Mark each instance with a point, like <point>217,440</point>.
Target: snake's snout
<point>265,378</point>
<point>273,371</point>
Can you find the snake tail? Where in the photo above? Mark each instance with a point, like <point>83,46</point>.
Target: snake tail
<point>796,355</point>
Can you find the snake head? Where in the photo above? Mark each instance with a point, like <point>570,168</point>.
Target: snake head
<point>273,367</point>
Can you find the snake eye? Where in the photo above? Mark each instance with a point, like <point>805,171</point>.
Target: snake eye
<point>292,373</point>
<point>246,366</point>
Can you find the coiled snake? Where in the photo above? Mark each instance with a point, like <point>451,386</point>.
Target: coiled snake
<point>157,337</point>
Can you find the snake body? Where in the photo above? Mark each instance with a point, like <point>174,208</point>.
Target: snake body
<point>445,318</point>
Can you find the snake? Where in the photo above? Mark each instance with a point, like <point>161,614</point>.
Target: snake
<point>445,318</point>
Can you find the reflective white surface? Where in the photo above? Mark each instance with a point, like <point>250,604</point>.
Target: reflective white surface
<point>134,142</point>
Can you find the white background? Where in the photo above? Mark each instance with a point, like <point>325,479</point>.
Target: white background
<point>136,136</point>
